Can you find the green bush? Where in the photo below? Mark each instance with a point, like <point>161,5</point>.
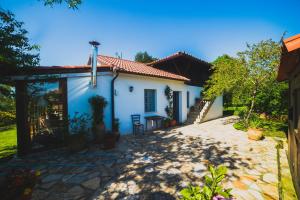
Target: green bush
<point>7,118</point>
<point>270,127</point>
<point>235,110</point>
<point>212,188</point>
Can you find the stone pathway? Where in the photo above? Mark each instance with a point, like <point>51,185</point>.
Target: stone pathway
<point>158,165</point>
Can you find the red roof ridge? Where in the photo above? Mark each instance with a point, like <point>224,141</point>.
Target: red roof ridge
<point>122,59</point>
<point>176,54</point>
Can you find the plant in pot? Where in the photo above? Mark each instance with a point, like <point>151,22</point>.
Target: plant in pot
<point>169,107</point>
<point>77,140</point>
<point>166,123</point>
<point>254,131</point>
<point>115,129</point>
<point>192,108</point>
<point>98,104</point>
<point>109,140</point>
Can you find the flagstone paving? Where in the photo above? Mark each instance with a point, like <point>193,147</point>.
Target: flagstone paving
<point>158,165</point>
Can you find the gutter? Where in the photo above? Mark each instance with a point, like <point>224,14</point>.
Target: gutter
<point>113,99</point>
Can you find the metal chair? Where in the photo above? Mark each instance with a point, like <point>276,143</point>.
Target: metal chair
<point>136,124</point>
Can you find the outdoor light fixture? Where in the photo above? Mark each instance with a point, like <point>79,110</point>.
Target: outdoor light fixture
<point>130,88</point>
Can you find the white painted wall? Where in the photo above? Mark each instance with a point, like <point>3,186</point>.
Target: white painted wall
<point>126,102</point>
<point>216,109</point>
<point>80,90</point>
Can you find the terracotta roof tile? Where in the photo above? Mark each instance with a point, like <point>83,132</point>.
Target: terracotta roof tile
<point>292,43</point>
<point>137,68</point>
<point>289,57</point>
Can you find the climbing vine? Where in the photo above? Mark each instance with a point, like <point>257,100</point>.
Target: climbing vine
<point>169,107</point>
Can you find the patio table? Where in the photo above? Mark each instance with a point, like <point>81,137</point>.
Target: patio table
<point>155,119</point>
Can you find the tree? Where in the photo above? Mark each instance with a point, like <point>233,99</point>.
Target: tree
<point>15,49</point>
<point>71,3</point>
<point>15,52</point>
<point>250,77</point>
<point>221,81</point>
<point>144,57</point>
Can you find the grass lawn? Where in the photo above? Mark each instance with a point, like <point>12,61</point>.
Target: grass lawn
<point>8,142</point>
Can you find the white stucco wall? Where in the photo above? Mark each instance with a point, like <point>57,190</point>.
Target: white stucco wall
<point>80,90</point>
<point>216,109</point>
<point>128,103</point>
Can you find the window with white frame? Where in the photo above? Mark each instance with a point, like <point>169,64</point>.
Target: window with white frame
<point>150,100</point>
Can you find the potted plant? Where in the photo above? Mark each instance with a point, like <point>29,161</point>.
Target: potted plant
<point>192,108</point>
<point>109,140</point>
<point>173,122</point>
<point>254,131</point>
<point>166,123</point>
<point>77,140</point>
<point>98,104</point>
<point>115,129</point>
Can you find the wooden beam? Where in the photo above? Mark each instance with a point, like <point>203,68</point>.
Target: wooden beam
<point>23,135</point>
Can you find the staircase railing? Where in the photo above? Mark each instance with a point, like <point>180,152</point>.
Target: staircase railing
<point>203,108</point>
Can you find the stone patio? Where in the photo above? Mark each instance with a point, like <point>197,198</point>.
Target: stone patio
<point>158,165</point>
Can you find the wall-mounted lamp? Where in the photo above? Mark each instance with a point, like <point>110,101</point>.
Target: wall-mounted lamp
<point>130,88</point>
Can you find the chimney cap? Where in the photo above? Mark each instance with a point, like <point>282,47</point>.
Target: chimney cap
<point>94,43</point>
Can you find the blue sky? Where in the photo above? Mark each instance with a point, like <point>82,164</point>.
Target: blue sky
<point>206,29</point>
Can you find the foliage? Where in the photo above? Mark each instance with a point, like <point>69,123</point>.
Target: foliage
<point>98,104</point>
<point>8,141</point>
<point>78,124</point>
<point>228,72</point>
<point>15,50</point>
<point>250,79</point>
<point>270,127</point>
<point>19,184</point>
<point>169,96</point>
<point>116,125</point>
<point>144,57</point>
<point>7,118</point>
<point>71,3</point>
<point>272,99</point>
<point>212,188</point>
<point>235,110</point>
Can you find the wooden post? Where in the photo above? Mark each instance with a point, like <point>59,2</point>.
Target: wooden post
<point>23,135</point>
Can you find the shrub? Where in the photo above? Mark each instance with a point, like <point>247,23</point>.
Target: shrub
<point>271,127</point>
<point>212,188</point>
<point>78,124</point>
<point>19,184</point>
<point>7,118</point>
<point>98,104</point>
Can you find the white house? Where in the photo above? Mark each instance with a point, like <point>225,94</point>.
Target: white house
<point>129,88</point>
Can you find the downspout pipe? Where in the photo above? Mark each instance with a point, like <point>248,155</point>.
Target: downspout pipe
<point>113,99</point>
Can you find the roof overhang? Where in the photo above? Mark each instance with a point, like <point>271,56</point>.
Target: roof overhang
<point>290,57</point>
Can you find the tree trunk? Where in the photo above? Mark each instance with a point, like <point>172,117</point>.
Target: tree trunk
<point>251,107</point>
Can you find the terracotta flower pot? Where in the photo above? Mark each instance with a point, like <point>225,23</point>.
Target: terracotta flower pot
<point>99,133</point>
<point>117,135</point>
<point>173,122</point>
<point>255,134</point>
<point>109,141</point>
